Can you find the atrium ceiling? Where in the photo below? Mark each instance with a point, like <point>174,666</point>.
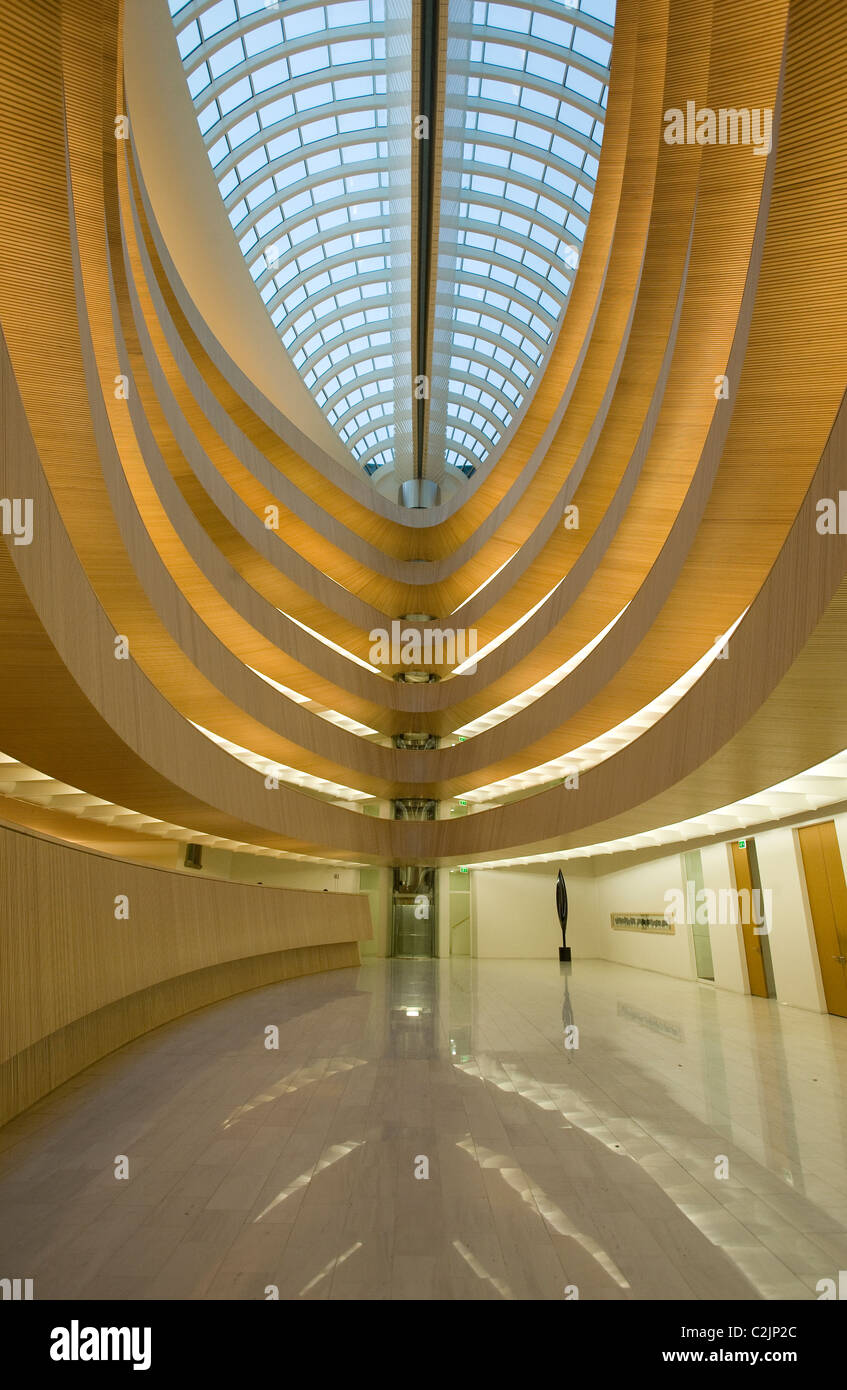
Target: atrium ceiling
<point>587,587</point>
<point>327,175</point>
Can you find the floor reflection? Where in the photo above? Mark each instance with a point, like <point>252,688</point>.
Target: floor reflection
<point>462,1130</point>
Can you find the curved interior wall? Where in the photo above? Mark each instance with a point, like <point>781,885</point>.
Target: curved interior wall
<point>695,508</point>
<point>97,950</point>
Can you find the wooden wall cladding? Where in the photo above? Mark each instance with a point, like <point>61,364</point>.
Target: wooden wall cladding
<point>699,261</point>
<point>79,978</point>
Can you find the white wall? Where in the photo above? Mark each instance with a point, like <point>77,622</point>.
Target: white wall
<point>793,949</point>
<point>841,836</point>
<point>377,882</point>
<point>642,888</point>
<point>791,939</point>
<point>442,900</point>
<point>513,913</point>
<point>726,941</point>
<point>281,873</point>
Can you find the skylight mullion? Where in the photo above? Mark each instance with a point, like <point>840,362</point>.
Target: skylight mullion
<point>478,383</point>
<point>373,448</point>
<point>483,334</point>
<point>459,447</point>
<point>550,125</point>
<point>468,413</point>
<point>471,398</point>
<point>494,229</point>
<point>370,277</point>
<point>368,432</point>
<point>514,294</point>
<point>486,363</point>
<point>321,239</point>
<point>555,9</point>
<point>353,412</point>
<point>481,68</point>
<point>457,403</point>
<point>355,359</point>
<point>307,149</point>
<point>270,172</point>
<point>340,339</point>
<point>472,456</point>
<point>238,32</point>
<point>502,316</point>
<point>314,212</point>
<point>377,374</point>
<point>291,88</point>
<point>484,140</point>
<point>503,203</point>
<point>466,401</point>
<point>496,259</point>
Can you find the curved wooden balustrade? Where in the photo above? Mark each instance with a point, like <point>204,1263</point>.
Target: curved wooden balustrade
<point>701,263</point>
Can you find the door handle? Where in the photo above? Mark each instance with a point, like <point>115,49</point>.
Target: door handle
<point>842,960</point>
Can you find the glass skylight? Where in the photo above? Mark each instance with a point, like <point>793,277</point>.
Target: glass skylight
<point>305,111</point>
<point>526,97</point>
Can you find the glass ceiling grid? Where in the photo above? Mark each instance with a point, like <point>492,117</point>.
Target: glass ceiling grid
<point>526,102</point>
<point>305,112</point>
<point>299,106</point>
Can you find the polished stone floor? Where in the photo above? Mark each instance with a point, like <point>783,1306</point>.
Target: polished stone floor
<point>553,1171</point>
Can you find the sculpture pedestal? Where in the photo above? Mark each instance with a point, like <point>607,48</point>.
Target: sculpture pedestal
<point>564,953</point>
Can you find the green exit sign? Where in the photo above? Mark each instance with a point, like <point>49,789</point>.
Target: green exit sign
<point>463,871</point>
<point>742,844</point>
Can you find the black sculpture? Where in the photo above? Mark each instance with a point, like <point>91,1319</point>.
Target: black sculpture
<point>562,909</point>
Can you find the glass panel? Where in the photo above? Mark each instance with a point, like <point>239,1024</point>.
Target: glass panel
<point>305,112</point>
<point>267,74</point>
<point>525,229</point>
<point>693,874</point>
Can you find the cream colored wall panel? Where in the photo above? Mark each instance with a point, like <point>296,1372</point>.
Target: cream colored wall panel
<point>791,938</point>
<point>82,933</point>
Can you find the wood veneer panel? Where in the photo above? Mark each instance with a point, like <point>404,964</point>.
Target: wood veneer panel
<point>688,590</point>
<point>827,890</point>
<point>78,983</point>
<point>752,943</point>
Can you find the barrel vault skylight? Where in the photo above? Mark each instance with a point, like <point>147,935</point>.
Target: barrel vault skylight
<point>305,111</point>
<point>524,111</point>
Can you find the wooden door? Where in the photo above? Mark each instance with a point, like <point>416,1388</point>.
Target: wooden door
<point>752,942</point>
<point>827,891</point>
